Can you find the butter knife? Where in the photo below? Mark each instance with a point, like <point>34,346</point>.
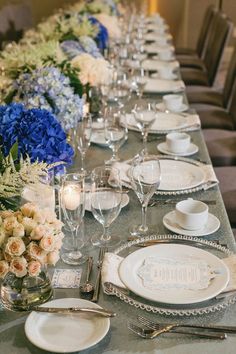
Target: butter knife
<point>70,310</point>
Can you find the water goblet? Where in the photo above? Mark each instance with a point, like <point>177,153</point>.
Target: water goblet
<point>145,176</point>
<point>115,131</point>
<point>105,198</point>
<point>83,136</point>
<point>145,115</point>
<point>72,196</point>
<point>139,80</point>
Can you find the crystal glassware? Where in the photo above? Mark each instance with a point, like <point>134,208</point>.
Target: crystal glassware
<point>105,198</point>
<point>138,80</point>
<point>115,131</point>
<point>145,115</point>
<point>145,176</point>
<point>72,196</point>
<point>83,136</point>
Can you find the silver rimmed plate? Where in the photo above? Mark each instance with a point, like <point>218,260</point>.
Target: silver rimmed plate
<point>59,333</point>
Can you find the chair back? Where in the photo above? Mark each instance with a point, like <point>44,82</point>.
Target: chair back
<point>205,30</point>
<point>232,105</point>
<point>229,81</point>
<point>221,29</point>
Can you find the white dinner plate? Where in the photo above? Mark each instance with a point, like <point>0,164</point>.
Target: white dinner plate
<point>98,137</point>
<point>155,37</point>
<point>124,201</point>
<point>179,175</point>
<point>192,149</point>
<point>58,333</point>
<point>173,76</point>
<point>155,65</point>
<point>171,224</point>
<point>161,106</point>
<point>155,48</point>
<point>130,266</point>
<point>163,86</point>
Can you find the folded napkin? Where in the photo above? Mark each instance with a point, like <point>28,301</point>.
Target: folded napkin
<point>111,263</point>
<point>155,48</point>
<point>163,85</point>
<point>155,65</point>
<point>157,37</point>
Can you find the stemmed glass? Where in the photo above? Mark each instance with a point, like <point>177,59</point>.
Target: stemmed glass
<point>145,176</point>
<point>105,197</point>
<point>115,131</point>
<point>83,136</point>
<point>72,196</point>
<point>139,80</point>
<point>145,115</point>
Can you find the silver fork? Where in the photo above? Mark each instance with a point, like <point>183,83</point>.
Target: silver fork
<point>155,325</point>
<point>153,333</point>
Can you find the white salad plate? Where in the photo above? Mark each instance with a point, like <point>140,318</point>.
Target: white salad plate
<point>59,333</point>
<point>171,224</point>
<point>130,267</point>
<point>192,149</point>
<point>161,106</point>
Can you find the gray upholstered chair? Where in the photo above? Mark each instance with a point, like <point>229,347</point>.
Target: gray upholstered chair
<point>205,75</point>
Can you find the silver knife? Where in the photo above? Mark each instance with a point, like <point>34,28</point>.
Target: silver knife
<point>69,310</point>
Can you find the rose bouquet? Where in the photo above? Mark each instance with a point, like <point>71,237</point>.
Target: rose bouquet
<point>29,239</point>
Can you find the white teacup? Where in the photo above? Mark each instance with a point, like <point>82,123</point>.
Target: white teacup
<point>177,142</point>
<point>165,54</point>
<point>191,214</point>
<point>165,72</point>
<point>173,102</point>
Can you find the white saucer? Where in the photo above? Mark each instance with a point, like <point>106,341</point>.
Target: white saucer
<point>212,226</point>
<point>58,333</point>
<point>161,106</point>
<point>162,147</point>
<point>124,201</point>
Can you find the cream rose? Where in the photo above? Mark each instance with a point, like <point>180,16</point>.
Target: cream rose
<point>36,252</point>
<point>47,243</point>
<point>38,232</point>
<point>29,224</point>
<point>29,209</point>
<point>3,236</point>
<point>4,268</point>
<point>18,266</point>
<point>56,225</point>
<point>58,241</point>
<point>6,213</point>
<point>40,217</point>
<point>15,246</point>
<point>9,224</point>
<point>34,268</point>
<point>50,215</point>
<point>19,216</point>
<point>19,231</point>
<point>53,257</point>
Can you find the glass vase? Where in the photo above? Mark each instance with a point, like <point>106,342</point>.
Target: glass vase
<point>22,294</point>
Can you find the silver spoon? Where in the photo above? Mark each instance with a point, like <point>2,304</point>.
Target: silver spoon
<point>87,288</point>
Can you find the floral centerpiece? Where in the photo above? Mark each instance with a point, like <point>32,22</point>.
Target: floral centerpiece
<point>30,239</point>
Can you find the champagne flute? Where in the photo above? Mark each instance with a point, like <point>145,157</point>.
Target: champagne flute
<point>83,136</point>
<point>145,116</point>
<point>73,205</point>
<point>145,176</point>
<point>106,195</point>
<point>115,131</point>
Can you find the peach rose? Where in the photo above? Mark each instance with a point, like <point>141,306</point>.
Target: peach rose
<point>19,231</point>
<point>34,268</point>
<point>53,257</point>
<point>4,268</point>
<point>18,266</point>
<point>29,209</point>
<point>57,225</point>
<point>9,224</point>
<point>19,216</point>
<point>36,252</point>
<point>40,217</point>
<point>50,216</point>
<point>6,213</point>
<point>3,236</point>
<point>15,246</point>
<point>47,243</point>
<point>38,232</point>
<point>29,225</point>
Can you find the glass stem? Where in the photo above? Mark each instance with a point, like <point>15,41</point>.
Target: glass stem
<point>82,160</point>
<point>145,136</point>
<point>106,234</point>
<point>74,232</point>
<point>114,153</point>
<point>143,226</point>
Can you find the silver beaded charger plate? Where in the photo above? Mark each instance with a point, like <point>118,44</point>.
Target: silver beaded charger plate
<point>205,307</point>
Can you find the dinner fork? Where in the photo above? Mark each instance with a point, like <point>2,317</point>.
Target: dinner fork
<point>157,326</point>
<point>152,333</point>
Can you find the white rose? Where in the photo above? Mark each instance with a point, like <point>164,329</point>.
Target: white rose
<point>9,224</point>
<point>19,231</point>
<point>18,266</point>
<point>4,268</point>
<point>3,236</point>
<point>29,209</point>
<point>50,215</point>
<point>6,213</point>
<point>34,268</point>
<point>53,257</point>
<point>47,243</point>
<point>38,232</point>
<point>39,217</point>
<point>15,246</point>
<point>29,224</point>
<point>36,252</point>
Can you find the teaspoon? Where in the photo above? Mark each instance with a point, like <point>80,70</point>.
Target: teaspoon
<point>87,288</point>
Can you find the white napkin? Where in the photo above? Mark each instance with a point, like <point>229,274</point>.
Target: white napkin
<point>209,172</point>
<point>123,167</point>
<point>111,263</point>
<point>155,48</point>
<point>163,85</point>
<point>157,36</point>
<point>155,65</point>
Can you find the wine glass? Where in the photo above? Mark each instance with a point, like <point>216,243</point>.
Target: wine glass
<point>83,136</point>
<point>106,195</point>
<point>145,115</point>
<point>138,80</point>
<point>72,196</point>
<point>145,176</point>
<point>115,131</point>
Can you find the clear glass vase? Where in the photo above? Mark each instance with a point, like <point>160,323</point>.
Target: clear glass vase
<point>22,294</point>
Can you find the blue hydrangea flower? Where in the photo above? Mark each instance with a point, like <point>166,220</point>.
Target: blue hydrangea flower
<point>102,36</point>
<point>83,45</point>
<point>49,89</point>
<point>38,133</point>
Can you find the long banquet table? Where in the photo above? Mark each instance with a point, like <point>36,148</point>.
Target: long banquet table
<point>119,339</point>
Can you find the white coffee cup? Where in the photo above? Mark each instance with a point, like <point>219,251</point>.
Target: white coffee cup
<point>165,54</point>
<point>178,142</point>
<point>191,214</point>
<point>165,72</point>
<point>173,102</point>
